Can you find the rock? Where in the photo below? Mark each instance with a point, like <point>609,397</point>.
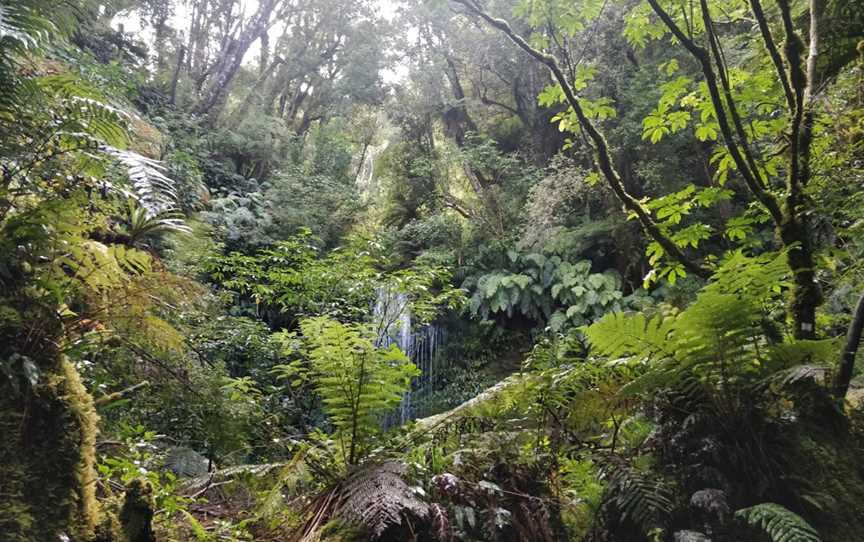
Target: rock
<point>186,462</point>
<point>712,501</point>
<point>690,536</point>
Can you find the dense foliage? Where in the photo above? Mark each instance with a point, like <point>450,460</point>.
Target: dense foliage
<point>431,270</point>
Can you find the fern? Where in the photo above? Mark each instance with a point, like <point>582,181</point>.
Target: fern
<point>619,335</point>
<point>780,524</point>
<point>151,187</point>
<point>378,498</point>
<point>100,267</point>
<point>357,381</point>
<point>140,223</point>
<point>198,530</point>
<point>639,497</point>
<point>21,29</point>
<point>716,344</point>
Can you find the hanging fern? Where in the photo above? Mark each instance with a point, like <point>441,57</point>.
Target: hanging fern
<point>779,523</point>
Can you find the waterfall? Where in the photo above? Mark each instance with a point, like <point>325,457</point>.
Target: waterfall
<point>392,319</point>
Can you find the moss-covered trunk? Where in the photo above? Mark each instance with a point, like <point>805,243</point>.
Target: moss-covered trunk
<point>47,456</point>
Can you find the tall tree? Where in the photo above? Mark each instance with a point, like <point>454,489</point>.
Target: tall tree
<point>237,43</point>
<point>748,153</point>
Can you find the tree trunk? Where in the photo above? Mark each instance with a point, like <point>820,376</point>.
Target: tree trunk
<point>236,49</point>
<point>806,293</point>
<point>256,91</point>
<point>47,457</point>
<point>850,350</point>
<point>176,77</point>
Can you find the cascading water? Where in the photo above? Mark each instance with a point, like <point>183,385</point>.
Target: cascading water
<point>392,317</point>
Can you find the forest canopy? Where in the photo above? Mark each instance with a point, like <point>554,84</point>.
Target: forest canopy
<point>431,270</point>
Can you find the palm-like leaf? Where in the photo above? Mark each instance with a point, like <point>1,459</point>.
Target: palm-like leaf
<point>141,224</point>
<point>150,186</point>
<point>779,523</point>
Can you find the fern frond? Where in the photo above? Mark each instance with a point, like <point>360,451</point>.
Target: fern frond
<point>690,536</point>
<point>151,187</point>
<point>779,523</point>
<point>639,497</point>
<point>100,267</point>
<point>100,120</point>
<point>357,381</point>
<point>378,498</point>
<point>440,523</point>
<point>620,335</point>
<point>793,353</point>
<point>22,28</point>
<point>198,530</point>
<point>140,223</point>
<point>798,373</point>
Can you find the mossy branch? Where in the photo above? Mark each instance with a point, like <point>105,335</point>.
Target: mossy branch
<point>117,395</point>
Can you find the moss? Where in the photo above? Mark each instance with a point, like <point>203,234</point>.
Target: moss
<point>341,531</point>
<point>136,515</point>
<point>828,471</point>
<point>47,457</point>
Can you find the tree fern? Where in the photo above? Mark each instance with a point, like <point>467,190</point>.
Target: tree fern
<point>779,523</point>
<point>716,343</point>
<point>357,381</point>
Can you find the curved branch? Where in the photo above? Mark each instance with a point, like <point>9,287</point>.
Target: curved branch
<point>717,52</point>
<point>602,155</point>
